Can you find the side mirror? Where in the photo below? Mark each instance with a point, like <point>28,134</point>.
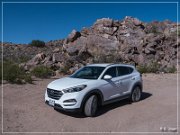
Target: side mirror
<point>107,77</point>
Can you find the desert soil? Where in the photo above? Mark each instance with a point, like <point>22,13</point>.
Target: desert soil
<point>24,110</point>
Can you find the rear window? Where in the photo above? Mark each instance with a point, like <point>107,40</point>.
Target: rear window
<point>124,70</point>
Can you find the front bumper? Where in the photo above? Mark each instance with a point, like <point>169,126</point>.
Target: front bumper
<point>62,105</point>
<point>59,107</point>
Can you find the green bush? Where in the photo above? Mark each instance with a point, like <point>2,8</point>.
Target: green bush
<point>142,69</point>
<point>23,59</point>
<point>154,67</point>
<point>154,29</point>
<point>14,74</point>
<point>37,43</point>
<point>64,70</point>
<point>171,69</point>
<point>149,68</point>
<point>42,72</point>
<point>28,78</point>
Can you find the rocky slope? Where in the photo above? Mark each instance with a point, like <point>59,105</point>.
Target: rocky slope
<point>127,41</point>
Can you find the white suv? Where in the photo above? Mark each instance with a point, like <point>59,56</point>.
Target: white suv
<point>94,85</point>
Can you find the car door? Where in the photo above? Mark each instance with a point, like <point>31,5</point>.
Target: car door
<point>125,79</point>
<point>109,87</point>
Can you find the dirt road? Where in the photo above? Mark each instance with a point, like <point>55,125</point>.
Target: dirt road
<point>24,110</point>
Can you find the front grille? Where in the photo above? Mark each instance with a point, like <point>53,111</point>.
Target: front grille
<point>54,94</point>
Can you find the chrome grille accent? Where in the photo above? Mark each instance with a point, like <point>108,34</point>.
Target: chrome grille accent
<point>54,94</point>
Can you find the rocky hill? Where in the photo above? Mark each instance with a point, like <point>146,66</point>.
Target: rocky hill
<point>122,41</point>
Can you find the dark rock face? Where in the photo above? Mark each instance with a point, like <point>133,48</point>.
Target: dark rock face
<point>73,36</point>
<point>129,40</point>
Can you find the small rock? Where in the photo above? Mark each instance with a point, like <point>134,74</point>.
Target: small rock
<point>106,22</point>
<point>56,50</point>
<point>59,57</point>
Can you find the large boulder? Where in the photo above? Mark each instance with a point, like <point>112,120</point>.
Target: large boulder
<point>135,21</point>
<point>105,30</point>
<point>34,61</point>
<point>73,36</point>
<point>106,22</point>
<point>39,57</point>
<point>73,48</point>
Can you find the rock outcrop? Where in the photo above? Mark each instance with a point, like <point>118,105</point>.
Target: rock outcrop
<point>126,41</point>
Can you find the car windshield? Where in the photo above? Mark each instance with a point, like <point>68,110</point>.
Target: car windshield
<point>89,72</point>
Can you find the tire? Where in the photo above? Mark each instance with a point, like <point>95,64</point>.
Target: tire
<point>136,94</point>
<point>56,109</point>
<point>90,106</point>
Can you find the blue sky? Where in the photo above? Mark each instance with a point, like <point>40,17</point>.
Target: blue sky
<point>24,22</point>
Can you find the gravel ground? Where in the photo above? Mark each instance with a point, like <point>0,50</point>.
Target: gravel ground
<point>24,110</point>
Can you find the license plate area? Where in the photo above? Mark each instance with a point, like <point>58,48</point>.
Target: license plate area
<point>51,102</point>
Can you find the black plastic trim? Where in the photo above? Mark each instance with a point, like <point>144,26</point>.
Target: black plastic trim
<point>116,99</point>
<point>59,107</point>
<point>92,92</point>
<point>138,84</point>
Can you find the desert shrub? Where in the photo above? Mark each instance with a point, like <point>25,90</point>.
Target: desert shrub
<point>171,69</point>
<point>27,78</point>
<point>14,74</point>
<point>42,72</point>
<point>64,70</point>
<point>154,29</point>
<point>37,43</point>
<point>142,69</point>
<point>23,59</point>
<point>152,67</point>
<point>18,59</point>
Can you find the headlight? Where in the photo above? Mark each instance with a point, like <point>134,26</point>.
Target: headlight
<point>74,89</point>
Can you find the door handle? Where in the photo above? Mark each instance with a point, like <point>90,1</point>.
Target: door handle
<point>133,78</point>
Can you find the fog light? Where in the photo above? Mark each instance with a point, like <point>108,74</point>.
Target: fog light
<point>69,101</point>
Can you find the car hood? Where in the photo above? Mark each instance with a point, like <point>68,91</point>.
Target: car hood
<point>66,82</point>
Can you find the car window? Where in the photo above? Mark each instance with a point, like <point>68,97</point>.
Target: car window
<point>131,70</point>
<point>90,72</point>
<point>111,71</point>
<point>124,70</point>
